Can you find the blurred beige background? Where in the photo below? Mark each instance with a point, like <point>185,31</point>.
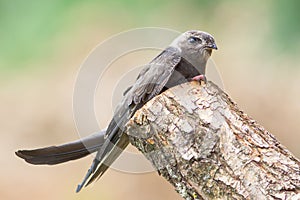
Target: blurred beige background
<point>43,44</point>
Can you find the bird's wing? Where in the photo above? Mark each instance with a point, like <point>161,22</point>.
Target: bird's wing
<point>155,76</point>
<point>149,83</point>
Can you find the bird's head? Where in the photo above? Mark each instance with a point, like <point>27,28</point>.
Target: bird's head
<point>195,46</point>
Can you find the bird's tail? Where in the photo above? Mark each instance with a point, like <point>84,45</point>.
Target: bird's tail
<point>104,158</point>
<point>59,154</point>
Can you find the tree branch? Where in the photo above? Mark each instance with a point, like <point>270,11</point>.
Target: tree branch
<point>207,148</point>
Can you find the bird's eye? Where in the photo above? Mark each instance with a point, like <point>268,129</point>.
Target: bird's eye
<point>194,40</point>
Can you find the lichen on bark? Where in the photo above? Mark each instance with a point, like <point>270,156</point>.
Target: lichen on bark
<point>207,148</point>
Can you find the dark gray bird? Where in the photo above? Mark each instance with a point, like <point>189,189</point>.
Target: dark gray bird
<point>184,60</point>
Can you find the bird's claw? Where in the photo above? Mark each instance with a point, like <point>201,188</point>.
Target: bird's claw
<point>200,78</point>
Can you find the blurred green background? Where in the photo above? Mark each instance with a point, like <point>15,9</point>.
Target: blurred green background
<point>43,43</point>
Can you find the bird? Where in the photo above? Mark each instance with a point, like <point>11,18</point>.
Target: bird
<point>183,60</point>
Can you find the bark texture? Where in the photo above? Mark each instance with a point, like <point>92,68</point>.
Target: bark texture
<point>207,148</point>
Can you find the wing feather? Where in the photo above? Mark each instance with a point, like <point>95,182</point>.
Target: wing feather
<point>155,77</point>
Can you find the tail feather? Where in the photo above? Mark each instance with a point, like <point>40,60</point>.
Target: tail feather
<point>101,164</point>
<point>59,154</point>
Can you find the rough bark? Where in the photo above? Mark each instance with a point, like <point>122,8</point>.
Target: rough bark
<point>207,148</point>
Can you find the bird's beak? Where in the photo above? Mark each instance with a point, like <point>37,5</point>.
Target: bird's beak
<point>212,46</point>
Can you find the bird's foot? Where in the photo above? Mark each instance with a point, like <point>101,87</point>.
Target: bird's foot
<point>200,78</point>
